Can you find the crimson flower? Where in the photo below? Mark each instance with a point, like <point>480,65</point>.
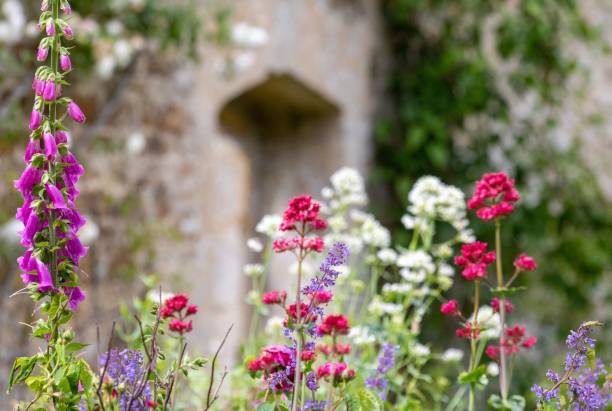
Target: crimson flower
<point>525,263</point>
<point>496,304</point>
<point>450,308</point>
<point>494,196</point>
<point>475,259</point>
<point>274,297</point>
<point>334,324</point>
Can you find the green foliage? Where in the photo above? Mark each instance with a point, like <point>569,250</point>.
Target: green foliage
<point>443,82</point>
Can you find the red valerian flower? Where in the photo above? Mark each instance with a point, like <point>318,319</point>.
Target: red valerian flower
<point>302,209</point>
<point>292,311</point>
<point>342,349</point>
<point>178,309</point>
<point>274,297</point>
<point>496,304</point>
<point>308,355</point>
<point>450,308</point>
<point>494,196</point>
<point>475,259</point>
<point>525,263</point>
<point>334,324</point>
<point>272,358</point>
<point>514,338</point>
<point>321,297</point>
<point>324,349</point>
<point>339,371</point>
<point>468,332</point>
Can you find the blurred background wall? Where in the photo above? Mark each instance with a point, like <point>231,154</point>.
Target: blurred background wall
<point>205,116</point>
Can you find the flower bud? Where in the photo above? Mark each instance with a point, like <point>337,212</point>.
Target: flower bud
<point>42,53</point>
<point>75,112</point>
<point>50,145</point>
<point>67,30</point>
<point>49,91</point>
<point>50,27</point>
<point>44,6</point>
<point>65,62</point>
<point>66,8</point>
<point>35,119</point>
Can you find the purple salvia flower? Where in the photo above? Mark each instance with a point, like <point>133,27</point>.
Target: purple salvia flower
<point>386,361</point>
<point>35,119</point>
<point>75,112</point>
<point>126,368</point>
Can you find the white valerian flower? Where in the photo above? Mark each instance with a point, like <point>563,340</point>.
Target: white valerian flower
<point>374,233</point>
<point>408,221</point>
<point>253,297</point>
<point>136,143</point>
<point>247,35</point>
<point>255,245</point>
<point>467,236</point>
<point>378,307</point>
<point>269,224</point>
<point>387,256</point>
<point>347,189</point>
<point>488,320</point>
<point>274,326</point>
<point>445,283</point>
<point>397,288</point>
<point>446,270</point>
<point>420,350</point>
<point>253,270</point>
<point>417,264</point>
<point>337,223</point>
<point>360,336</point>
<point>452,355</point>
<point>443,251</point>
<point>493,369</point>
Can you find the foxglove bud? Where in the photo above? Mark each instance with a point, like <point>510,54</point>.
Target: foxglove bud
<point>55,196</point>
<point>66,8</point>
<point>62,137</point>
<point>67,30</point>
<point>42,53</point>
<point>50,27</point>
<point>65,62</point>
<point>35,119</point>
<point>49,91</point>
<point>75,112</point>
<point>45,280</point>
<point>50,145</point>
<point>44,6</point>
<point>39,86</point>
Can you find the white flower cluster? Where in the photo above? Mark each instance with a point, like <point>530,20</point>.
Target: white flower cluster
<point>416,265</point>
<point>431,200</point>
<point>269,224</point>
<point>361,336</point>
<point>347,189</point>
<point>378,307</point>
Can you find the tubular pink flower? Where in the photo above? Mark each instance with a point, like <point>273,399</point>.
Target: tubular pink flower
<point>49,91</point>
<point>66,8</point>
<point>29,178</point>
<point>35,119</point>
<point>75,112</point>
<point>50,146</point>
<point>67,30</point>
<point>32,148</point>
<point>50,27</point>
<point>56,196</point>
<point>65,62</point>
<point>42,53</point>
<point>45,281</point>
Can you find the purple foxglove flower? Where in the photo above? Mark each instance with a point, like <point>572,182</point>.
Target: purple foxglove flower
<point>49,91</point>
<point>75,112</point>
<point>26,262</point>
<point>35,119</point>
<point>75,296</point>
<point>75,249</point>
<point>32,148</point>
<point>42,53</point>
<point>66,8</point>
<point>56,196</point>
<point>62,137</point>
<point>23,212</point>
<point>65,62</point>
<point>32,226</point>
<point>68,33</point>
<point>50,146</point>
<point>75,219</point>
<point>30,177</point>
<point>50,27</point>
<point>45,281</point>
<point>38,86</point>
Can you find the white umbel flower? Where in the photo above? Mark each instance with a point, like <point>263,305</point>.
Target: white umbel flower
<point>269,224</point>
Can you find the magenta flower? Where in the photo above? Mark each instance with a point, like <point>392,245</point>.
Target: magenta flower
<point>62,137</point>
<point>50,146</point>
<point>29,178</point>
<point>56,196</point>
<point>65,62</point>
<point>42,53</point>
<point>35,119</point>
<point>32,226</point>
<point>75,296</point>
<point>50,28</point>
<point>32,148</point>
<point>66,8</point>
<point>45,281</point>
<point>67,30</point>
<point>75,112</point>
<point>38,86</point>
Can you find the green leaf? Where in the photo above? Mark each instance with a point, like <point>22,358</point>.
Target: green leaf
<point>352,402</point>
<point>22,368</point>
<point>265,407</point>
<point>514,403</point>
<point>75,346</point>
<point>369,400</point>
<point>472,377</point>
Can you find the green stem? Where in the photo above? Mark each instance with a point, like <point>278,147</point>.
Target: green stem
<point>298,314</point>
<point>503,378</point>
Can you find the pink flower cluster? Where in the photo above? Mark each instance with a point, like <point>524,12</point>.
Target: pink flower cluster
<point>274,359</point>
<point>513,340</point>
<point>496,305</point>
<point>301,216</point>
<point>274,297</point>
<point>337,372</point>
<point>49,214</point>
<point>494,196</point>
<point>525,263</point>
<point>334,324</point>
<point>178,309</point>
<point>475,258</point>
